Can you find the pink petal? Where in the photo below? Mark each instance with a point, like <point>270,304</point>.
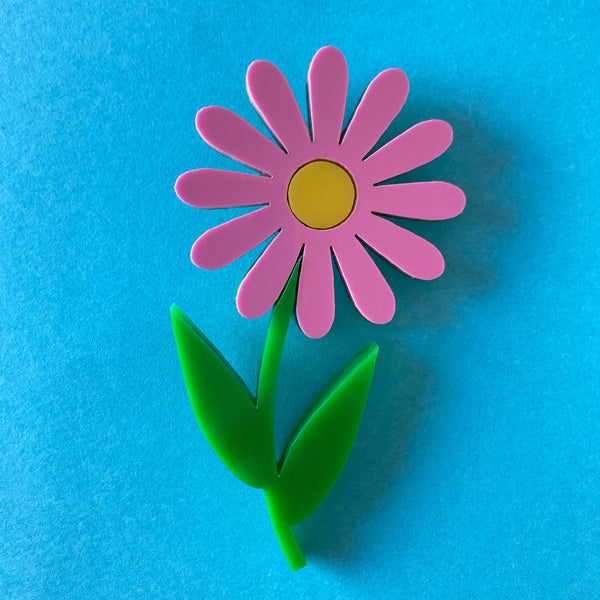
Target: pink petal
<point>229,134</point>
<point>210,188</point>
<point>405,250</point>
<point>225,243</point>
<point>427,200</point>
<point>264,282</point>
<point>327,87</point>
<point>316,304</point>
<point>367,287</point>
<point>271,95</point>
<point>378,107</point>
<point>415,147</point>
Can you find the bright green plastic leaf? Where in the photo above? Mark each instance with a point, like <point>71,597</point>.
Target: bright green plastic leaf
<point>321,446</point>
<point>239,433</point>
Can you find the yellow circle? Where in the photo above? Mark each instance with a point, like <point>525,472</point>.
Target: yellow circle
<point>321,194</point>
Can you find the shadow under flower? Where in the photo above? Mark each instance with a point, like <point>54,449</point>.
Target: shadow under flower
<point>481,165</point>
<point>390,417</point>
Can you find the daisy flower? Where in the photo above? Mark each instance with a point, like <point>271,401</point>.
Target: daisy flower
<point>318,193</point>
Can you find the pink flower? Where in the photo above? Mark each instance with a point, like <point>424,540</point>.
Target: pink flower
<point>319,192</point>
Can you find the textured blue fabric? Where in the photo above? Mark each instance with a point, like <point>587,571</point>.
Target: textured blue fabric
<point>476,473</point>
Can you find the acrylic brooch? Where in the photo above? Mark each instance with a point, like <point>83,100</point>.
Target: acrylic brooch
<point>320,196</point>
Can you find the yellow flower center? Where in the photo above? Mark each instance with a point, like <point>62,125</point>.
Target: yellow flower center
<point>321,194</point>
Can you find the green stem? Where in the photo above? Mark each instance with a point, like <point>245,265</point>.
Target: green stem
<point>265,400</point>
<point>287,540</point>
<point>276,334</point>
<point>271,358</point>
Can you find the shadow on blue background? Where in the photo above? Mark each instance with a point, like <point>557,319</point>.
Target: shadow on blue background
<point>402,384</point>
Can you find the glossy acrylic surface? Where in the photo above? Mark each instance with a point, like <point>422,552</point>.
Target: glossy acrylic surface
<point>307,169</point>
<point>239,428</point>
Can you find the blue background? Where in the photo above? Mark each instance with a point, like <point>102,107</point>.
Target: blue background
<point>476,472</point>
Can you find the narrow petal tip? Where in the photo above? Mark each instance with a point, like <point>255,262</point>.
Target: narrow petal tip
<point>198,257</point>
<point>331,59</point>
<point>434,269</point>
<point>259,66</point>
<point>185,187</point>
<point>328,51</point>
<point>398,81</point>
<point>179,187</point>
<point>459,201</point>
<point>204,118</point>
<point>312,331</point>
<point>385,315</point>
<point>443,130</point>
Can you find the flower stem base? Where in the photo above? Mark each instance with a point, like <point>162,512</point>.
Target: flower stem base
<point>289,543</point>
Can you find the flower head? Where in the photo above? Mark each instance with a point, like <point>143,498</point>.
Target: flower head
<point>319,192</point>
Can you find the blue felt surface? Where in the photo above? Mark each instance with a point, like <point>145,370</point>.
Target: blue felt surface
<point>476,473</point>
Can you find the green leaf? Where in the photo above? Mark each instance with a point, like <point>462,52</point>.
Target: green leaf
<point>320,447</point>
<point>239,433</point>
